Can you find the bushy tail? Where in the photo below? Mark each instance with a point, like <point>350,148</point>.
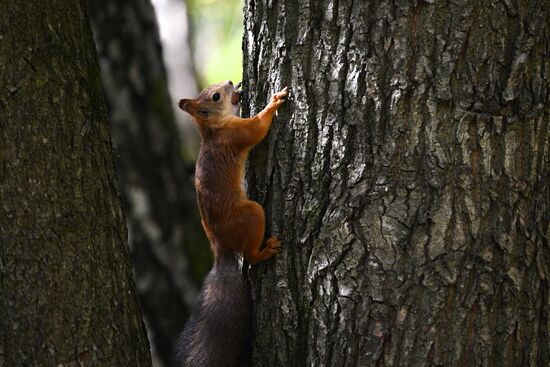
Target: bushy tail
<point>219,332</point>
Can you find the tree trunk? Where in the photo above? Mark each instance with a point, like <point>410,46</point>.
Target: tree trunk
<point>409,178</point>
<point>180,67</point>
<point>67,292</point>
<point>171,254</point>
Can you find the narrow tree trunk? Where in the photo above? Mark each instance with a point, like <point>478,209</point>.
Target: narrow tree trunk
<point>67,293</point>
<point>170,251</point>
<point>180,67</point>
<point>409,178</point>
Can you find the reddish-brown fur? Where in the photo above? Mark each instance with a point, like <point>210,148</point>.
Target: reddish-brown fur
<point>219,331</point>
<point>231,221</point>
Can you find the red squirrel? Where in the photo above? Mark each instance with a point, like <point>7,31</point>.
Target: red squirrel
<point>219,332</point>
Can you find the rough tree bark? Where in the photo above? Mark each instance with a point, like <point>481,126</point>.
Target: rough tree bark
<point>169,248</point>
<point>67,293</point>
<point>409,178</point>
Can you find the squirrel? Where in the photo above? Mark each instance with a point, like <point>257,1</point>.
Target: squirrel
<point>219,331</point>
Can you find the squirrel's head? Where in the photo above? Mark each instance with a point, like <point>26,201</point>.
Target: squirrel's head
<point>213,104</point>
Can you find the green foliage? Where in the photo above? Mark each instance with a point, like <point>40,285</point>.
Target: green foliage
<point>217,37</point>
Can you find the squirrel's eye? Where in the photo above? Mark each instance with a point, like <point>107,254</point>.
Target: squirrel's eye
<point>216,97</point>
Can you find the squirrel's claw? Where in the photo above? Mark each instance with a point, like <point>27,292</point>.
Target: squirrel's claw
<point>283,94</point>
<point>280,97</point>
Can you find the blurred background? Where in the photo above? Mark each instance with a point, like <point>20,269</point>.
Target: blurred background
<point>201,42</point>
<point>151,54</point>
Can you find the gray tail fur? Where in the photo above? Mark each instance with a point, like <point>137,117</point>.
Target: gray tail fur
<point>219,332</point>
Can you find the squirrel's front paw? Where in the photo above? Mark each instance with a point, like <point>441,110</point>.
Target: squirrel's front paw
<point>278,99</point>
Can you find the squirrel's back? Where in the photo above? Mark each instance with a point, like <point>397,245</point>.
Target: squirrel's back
<point>219,332</point>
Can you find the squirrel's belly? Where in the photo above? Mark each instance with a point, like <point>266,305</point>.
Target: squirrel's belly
<point>216,208</point>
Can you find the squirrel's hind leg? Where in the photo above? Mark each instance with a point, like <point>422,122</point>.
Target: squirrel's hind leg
<point>254,223</point>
